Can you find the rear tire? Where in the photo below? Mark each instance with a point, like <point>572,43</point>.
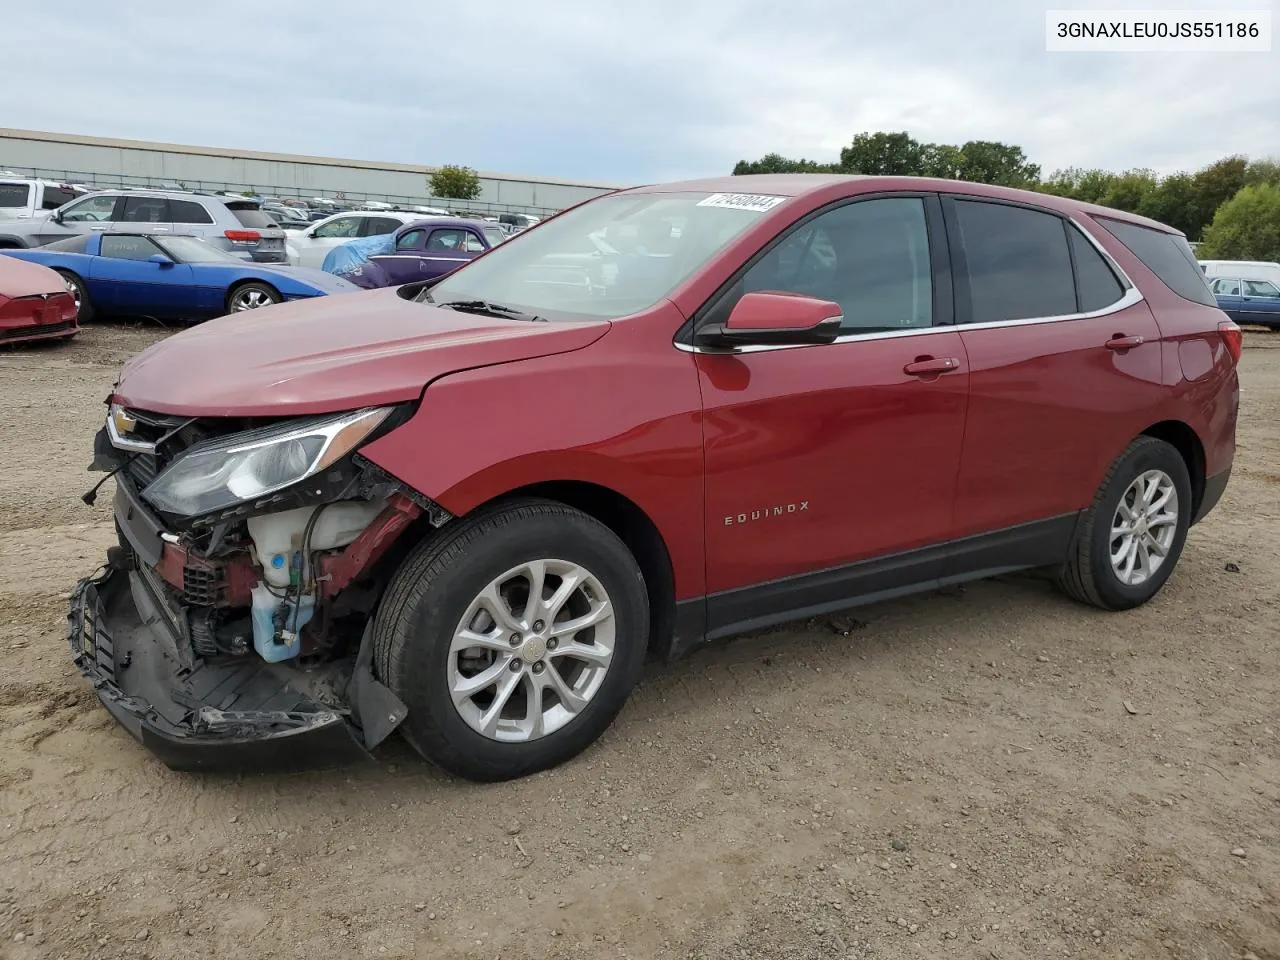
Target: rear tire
<point>84,309</point>
<point>251,296</point>
<point>439,633</point>
<point>1132,535</point>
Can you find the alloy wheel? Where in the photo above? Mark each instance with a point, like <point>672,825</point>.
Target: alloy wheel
<point>531,651</point>
<point>1144,527</point>
<point>251,300</point>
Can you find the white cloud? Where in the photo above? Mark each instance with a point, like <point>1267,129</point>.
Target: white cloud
<point>622,92</point>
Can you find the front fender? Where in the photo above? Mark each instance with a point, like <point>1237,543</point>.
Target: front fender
<point>618,414</point>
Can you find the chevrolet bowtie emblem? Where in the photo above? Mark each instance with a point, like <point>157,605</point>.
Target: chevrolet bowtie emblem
<point>123,422</point>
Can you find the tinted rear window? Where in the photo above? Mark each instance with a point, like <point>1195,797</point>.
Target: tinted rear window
<point>1096,284</point>
<point>252,217</point>
<point>1166,255</point>
<point>55,197</point>
<point>1018,263</point>
<point>14,194</point>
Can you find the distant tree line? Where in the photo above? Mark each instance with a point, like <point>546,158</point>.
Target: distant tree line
<point>1232,206</point>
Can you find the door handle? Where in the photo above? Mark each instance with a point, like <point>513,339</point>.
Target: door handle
<point>931,366</point>
<point>1120,342</point>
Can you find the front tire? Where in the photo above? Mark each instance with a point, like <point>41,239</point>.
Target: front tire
<point>1132,535</point>
<point>75,286</point>
<point>514,637</point>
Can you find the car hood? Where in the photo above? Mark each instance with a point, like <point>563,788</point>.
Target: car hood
<point>317,278</point>
<point>21,278</point>
<point>329,354</point>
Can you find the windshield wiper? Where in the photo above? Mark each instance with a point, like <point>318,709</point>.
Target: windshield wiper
<point>489,309</point>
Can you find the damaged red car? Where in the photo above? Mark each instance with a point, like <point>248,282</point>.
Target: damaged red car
<point>469,509</point>
<point>35,303</point>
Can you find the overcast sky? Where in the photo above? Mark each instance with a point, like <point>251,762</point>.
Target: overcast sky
<point>622,92</point>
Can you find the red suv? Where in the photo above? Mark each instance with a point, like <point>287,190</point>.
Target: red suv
<point>469,508</point>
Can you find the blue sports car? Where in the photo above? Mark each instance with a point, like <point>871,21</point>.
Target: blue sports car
<point>171,277</point>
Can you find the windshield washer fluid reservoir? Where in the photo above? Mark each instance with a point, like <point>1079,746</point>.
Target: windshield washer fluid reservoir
<point>278,536</point>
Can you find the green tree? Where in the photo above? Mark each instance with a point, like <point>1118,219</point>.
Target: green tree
<point>1246,227</point>
<point>1214,186</point>
<point>1128,190</point>
<point>1173,201</point>
<point>777,163</point>
<point>883,154</point>
<point>1262,171</point>
<point>454,182</point>
<point>941,160</point>
<point>987,161</point>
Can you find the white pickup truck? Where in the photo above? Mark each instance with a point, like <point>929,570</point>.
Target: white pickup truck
<point>21,198</point>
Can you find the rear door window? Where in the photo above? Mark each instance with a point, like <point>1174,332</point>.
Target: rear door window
<point>188,211</point>
<point>1167,255</point>
<point>145,210</point>
<point>1225,287</point>
<point>1019,264</point>
<point>379,226</point>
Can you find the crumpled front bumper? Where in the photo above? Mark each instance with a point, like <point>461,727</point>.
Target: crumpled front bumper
<point>240,714</point>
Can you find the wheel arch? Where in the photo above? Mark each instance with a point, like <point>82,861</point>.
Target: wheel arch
<point>11,243</point>
<point>1183,438</point>
<point>635,528</point>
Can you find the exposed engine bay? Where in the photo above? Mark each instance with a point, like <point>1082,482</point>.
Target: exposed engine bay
<point>251,559</point>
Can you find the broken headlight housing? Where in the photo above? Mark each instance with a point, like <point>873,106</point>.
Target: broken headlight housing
<point>222,473</point>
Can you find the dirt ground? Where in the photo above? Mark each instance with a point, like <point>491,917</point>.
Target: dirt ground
<point>992,772</point>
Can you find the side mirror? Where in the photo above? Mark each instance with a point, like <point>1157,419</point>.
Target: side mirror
<point>56,216</point>
<point>772,318</point>
<point>160,259</point>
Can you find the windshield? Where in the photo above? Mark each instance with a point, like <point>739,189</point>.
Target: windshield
<point>610,257</point>
<point>194,250</point>
<point>494,235</point>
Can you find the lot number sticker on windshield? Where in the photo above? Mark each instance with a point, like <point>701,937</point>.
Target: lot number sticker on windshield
<point>755,202</point>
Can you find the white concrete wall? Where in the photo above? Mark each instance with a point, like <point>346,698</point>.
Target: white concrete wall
<point>131,161</point>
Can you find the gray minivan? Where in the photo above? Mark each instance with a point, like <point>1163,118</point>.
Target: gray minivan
<point>235,225</point>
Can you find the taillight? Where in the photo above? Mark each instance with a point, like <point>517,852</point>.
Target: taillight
<point>243,236</point>
<point>1233,337</point>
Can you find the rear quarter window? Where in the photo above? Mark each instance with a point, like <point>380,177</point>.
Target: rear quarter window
<point>1167,255</point>
<point>188,211</point>
<point>69,245</point>
<point>252,217</point>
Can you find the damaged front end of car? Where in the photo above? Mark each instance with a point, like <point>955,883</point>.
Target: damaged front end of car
<point>232,624</point>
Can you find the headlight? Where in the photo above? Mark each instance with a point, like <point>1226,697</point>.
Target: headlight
<point>219,474</point>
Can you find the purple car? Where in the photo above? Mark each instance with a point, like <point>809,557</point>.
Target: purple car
<point>421,250</point>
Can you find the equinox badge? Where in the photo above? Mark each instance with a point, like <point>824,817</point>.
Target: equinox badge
<point>777,510</point>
